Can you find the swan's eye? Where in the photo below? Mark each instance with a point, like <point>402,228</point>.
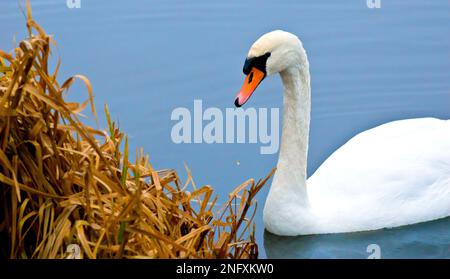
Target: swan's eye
<point>250,77</point>
<point>258,62</point>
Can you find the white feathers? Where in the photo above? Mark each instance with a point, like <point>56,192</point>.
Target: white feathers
<point>392,175</point>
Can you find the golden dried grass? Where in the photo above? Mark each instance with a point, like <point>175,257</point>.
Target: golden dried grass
<point>63,182</point>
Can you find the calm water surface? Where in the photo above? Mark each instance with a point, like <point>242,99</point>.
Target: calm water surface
<point>368,66</point>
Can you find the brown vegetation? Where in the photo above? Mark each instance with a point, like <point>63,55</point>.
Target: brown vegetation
<point>63,182</point>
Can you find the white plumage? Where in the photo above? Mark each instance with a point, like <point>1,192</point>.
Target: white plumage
<point>392,175</point>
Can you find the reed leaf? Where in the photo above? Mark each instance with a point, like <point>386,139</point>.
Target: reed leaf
<point>63,182</point>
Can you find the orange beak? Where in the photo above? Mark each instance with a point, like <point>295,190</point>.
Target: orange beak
<point>252,80</point>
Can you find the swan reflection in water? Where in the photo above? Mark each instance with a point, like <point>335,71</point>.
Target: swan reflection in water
<point>424,240</point>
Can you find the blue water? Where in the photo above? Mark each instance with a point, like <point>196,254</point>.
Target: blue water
<point>368,66</point>
<point>430,240</point>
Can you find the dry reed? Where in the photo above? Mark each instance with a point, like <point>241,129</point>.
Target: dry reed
<point>63,182</point>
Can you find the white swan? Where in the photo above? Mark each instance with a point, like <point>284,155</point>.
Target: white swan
<point>392,175</point>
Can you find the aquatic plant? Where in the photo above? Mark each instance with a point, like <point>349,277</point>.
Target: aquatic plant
<point>64,184</point>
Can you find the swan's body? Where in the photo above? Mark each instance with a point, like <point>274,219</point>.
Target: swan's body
<point>392,175</point>
<point>389,176</point>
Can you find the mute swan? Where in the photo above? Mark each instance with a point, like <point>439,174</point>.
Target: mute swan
<point>392,175</point>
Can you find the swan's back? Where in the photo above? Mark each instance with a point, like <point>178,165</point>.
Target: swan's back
<point>395,174</point>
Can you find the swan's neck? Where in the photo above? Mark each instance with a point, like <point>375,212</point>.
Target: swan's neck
<point>290,178</point>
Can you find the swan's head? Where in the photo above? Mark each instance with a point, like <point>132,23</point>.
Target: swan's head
<point>272,53</point>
